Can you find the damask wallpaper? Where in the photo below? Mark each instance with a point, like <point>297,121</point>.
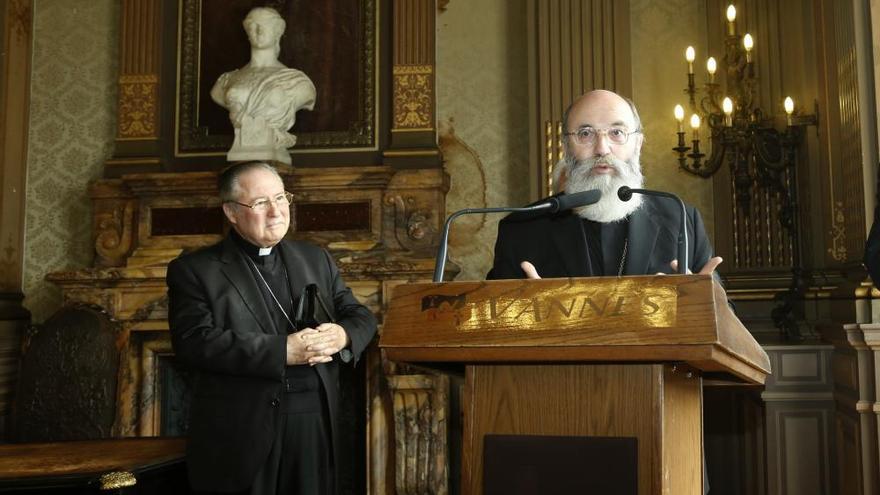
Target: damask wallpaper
<point>73,95</point>
<point>482,105</point>
<point>660,33</point>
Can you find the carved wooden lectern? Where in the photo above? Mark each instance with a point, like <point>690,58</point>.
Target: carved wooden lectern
<point>574,360</point>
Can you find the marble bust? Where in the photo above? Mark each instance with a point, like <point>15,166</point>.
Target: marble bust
<point>263,96</point>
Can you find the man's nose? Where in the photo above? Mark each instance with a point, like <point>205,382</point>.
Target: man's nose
<point>274,208</point>
<point>602,146</point>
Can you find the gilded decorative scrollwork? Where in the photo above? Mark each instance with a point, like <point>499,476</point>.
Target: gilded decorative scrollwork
<point>116,480</point>
<point>421,404</point>
<point>413,97</point>
<point>838,233</point>
<point>113,231</point>
<point>137,106</point>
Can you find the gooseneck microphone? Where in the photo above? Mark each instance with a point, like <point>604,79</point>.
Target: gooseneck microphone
<point>550,205</point>
<point>625,194</point>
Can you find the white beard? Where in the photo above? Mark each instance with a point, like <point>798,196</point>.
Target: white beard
<point>609,208</point>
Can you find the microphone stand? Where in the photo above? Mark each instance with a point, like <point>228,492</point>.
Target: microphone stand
<point>440,266</point>
<point>625,194</point>
<point>552,205</point>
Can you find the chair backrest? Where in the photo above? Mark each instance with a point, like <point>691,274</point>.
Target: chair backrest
<point>68,378</point>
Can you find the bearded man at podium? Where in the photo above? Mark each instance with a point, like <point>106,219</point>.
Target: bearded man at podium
<point>638,237</point>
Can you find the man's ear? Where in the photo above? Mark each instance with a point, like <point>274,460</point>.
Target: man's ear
<point>229,211</point>
<point>641,140</point>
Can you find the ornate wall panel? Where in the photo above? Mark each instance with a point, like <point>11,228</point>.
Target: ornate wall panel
<point>574,46</point>
<point>842,147</point>
<point>413,119</point>
<point>138,110</point>
<point>799,406</point>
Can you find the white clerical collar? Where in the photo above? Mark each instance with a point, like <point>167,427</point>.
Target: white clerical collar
<point>265,251</point>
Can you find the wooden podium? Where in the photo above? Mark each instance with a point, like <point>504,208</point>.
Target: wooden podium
<point>601,376</point>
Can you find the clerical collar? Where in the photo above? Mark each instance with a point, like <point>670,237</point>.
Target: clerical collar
<point>251,250</point>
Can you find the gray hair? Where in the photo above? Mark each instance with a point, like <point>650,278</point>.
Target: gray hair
<point>227,181</point>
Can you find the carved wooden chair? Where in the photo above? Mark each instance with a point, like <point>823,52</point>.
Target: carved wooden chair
<point>68,379</point>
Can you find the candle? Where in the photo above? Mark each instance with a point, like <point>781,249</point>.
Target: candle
<point>748,43</point>
<point>731,20</point>
<point>690,55</point>
<point>788,104</point>
<point>679,116</point>
<point>695,125</point>
<point>711,67</point>
<point>727,107</point>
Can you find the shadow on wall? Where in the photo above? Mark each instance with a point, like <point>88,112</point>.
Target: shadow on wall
<point>467,190</point>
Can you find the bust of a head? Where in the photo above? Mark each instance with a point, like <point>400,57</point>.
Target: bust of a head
<point>264,27</point>
<point>264,96</point>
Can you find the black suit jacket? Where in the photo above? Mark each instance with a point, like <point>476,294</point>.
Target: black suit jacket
<point>221,328</point>
<point>557,244</point>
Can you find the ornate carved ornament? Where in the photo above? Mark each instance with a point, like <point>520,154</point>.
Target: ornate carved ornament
<point>413,97</point>
<point>138,95</point>
<point>838,233</point>
<point>413,222</point>
<point>114,222</point>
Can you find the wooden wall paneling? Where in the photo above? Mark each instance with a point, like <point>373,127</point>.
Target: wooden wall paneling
<point>414,90</point>
<point>841,146</point>
<point>16,22</point>
<point>139,109</point>
<point>734,439</point>
<point>800,407</point>
<point>571,51</point>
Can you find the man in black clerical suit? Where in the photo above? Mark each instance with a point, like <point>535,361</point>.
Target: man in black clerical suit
<point>612,237</point>
<point>265,395</point>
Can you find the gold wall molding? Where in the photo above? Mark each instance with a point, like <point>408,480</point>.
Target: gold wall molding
<point>138,107</point>
<point>838,233</point>
<point>414,89</point>
<point>414,97</point>
<point>138,100</point>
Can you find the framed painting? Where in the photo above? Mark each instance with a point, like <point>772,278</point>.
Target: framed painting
<point>333,42</point>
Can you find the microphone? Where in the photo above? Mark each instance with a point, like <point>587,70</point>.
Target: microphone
<point>550,205</point>
<point>625,194</point>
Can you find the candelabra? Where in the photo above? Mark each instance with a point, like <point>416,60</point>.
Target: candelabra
<point>743,137</point>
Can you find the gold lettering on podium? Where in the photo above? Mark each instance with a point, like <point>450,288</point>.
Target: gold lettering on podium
<point>569,306</point>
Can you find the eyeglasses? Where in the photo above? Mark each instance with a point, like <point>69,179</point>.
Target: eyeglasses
<point>587,136</point>
<point>261,205</point>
